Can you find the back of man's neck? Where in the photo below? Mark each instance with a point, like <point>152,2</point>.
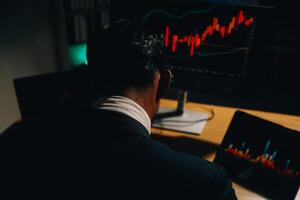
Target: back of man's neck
<point>141,99</point>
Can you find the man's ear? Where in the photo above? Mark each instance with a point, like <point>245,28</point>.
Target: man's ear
<point>164,83</point>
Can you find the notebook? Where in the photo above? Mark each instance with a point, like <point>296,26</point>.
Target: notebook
<point>262,156</point>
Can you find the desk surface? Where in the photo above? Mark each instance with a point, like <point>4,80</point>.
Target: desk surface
<point>215,130</point>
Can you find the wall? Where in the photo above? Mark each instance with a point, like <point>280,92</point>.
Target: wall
<point>27,47</point>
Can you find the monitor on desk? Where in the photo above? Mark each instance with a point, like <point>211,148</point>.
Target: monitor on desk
<point>221,53</point>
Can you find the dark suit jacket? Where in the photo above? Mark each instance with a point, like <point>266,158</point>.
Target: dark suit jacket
<point>103,154</point>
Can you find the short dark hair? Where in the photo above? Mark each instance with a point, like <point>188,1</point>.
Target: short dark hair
<point>123,55</point>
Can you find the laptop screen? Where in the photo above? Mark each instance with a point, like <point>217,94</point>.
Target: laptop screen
<point>52,94</point>
<point>261,156</point>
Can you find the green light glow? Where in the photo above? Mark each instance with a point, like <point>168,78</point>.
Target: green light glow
<point>77,55</point>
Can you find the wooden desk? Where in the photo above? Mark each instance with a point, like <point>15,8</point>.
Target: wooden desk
<point>215,130</point>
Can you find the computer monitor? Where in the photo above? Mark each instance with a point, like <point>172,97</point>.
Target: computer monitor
<point>220,51</point>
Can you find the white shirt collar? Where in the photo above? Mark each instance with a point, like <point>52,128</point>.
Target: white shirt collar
<point>126,106</point>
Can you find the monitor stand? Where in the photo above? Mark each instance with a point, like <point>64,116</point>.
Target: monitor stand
<point>180,119</point>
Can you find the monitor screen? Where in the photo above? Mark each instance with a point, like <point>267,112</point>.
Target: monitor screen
<point>224,54</point>
<point>206,44</point>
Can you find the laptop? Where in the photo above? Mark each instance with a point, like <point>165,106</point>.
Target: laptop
<point>52,93</point>
<point>261,156</point>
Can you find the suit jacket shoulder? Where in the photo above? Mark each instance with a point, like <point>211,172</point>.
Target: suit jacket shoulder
<point>158,166</point>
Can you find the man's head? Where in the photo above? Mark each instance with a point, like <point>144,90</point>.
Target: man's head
<point>124,60</point>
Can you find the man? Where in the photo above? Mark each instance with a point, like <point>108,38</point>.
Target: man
<point>107,151</point>
<point>129,71</point>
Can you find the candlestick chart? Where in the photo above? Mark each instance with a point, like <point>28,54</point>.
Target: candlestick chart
<point>212,39</point>
<point>193,41</point>
<point>266,159</point>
